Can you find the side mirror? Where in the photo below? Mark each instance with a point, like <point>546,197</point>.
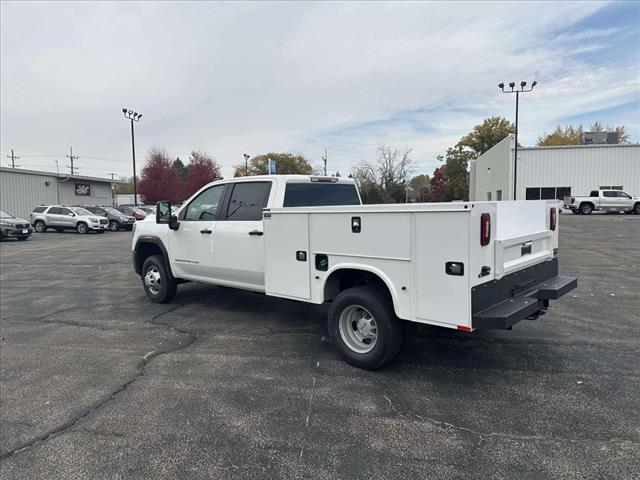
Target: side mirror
<point>71,214</point>
<point>164,215</point>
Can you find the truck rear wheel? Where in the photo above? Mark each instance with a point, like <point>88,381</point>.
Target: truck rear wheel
<point>364,327</point>
<point>636,209</point>
<point>586,209</point>
<point>159,285</point>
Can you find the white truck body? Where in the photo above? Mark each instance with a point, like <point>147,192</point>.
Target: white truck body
<point>462,265</point>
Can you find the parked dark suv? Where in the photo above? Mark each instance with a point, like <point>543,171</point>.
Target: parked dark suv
<point>117,219</point>
<point>11,226</point>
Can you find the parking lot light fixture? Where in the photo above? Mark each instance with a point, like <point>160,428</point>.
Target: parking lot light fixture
<point>131,115</point>
<point>522,89</point>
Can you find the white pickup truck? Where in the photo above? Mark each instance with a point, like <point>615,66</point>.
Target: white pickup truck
<point>605,201</point>
<point>462,265</point>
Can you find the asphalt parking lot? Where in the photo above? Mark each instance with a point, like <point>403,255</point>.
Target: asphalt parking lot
<point>97,382</point>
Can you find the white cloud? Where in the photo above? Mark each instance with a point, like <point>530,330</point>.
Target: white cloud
<point>235,78</point>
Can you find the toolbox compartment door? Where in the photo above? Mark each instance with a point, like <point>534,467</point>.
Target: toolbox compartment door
<point>287,256</point>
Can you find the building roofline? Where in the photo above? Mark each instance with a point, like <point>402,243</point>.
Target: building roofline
<point>565,147</point>
<point>58,175</point>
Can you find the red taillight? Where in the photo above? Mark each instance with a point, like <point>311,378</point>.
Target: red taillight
<point>573,199</point>
<point>485,229</point>
<point>552,219</point>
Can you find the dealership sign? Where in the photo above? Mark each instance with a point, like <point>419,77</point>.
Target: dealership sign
<point>83,189</point>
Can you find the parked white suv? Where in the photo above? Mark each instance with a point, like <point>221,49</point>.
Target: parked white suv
<point>62,218</point>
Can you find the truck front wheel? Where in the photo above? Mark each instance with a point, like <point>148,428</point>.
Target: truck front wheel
<point>158,284</point>
<point>364,327</point>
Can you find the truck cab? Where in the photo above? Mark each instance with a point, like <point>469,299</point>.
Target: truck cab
<point>226,217</point>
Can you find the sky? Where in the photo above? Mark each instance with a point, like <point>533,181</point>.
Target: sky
<point>301,77</point>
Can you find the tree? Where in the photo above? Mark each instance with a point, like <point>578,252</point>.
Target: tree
<point>568,135</point>
<point>180,167</point>
<point>125,187</point>
<point>202,169</point>
<point>439,184</point>
<point>420,189</point>
<point>571,135</point>
<point>457,162</point>
<point>159,179</point>
<point>286,164</point>
<point>487,134</point>
<point>385,180</point>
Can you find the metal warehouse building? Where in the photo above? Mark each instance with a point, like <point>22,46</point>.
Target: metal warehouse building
<point>21,190</point>
<point>554,172</point>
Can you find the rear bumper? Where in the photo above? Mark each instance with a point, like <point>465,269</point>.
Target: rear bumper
<point>524,294</point>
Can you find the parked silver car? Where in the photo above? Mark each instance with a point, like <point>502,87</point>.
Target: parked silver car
<point>11,226</point>
<point>62,218</point>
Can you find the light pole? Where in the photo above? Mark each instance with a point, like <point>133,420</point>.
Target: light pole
<point>131,115</point>
<point>246,164</point>
<point>512,85</point>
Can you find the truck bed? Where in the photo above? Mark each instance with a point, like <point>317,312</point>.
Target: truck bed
<point>429,256</point>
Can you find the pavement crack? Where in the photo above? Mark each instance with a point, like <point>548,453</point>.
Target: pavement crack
<point>484,435</point>
<point>187,339</point>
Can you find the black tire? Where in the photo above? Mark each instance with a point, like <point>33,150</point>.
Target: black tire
<point>82,228</point>
<point>389,329</point>
<point>636,208</point>
<point>586,209</point>
<point>23,237</point>
<point>164,287</point>
<point>40,226</point>
<point>114,225</point>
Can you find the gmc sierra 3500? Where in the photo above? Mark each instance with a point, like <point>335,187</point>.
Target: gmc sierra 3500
<point>460,265</point>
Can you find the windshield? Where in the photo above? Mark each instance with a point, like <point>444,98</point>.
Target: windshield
<point>5,215</point>
<point>320,194</point>
<point>125,210</point>
<point>112,211</point>
<point>81,211</point>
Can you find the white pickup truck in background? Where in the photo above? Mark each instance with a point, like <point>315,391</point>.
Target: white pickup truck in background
<point>605,201</point>
<point>462,265</point>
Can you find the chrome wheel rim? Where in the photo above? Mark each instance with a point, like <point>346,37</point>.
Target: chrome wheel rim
<point>82,228</point>
<point>358,329</point>
<point>113,226</point>
<point>40,227</point>
<point>152,280</point>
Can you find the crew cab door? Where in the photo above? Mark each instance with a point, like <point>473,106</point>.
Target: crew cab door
<point>191,245</point>
<point>609,199</point>
<point>238,242</point>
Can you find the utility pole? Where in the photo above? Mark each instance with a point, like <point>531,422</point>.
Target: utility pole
<point>246,164</point>
<point>72,157</point>
<point>13,159</point>
<point>133,116</point>
<point>515,150</point>
<point>324,159</point>
<point>112,175</point>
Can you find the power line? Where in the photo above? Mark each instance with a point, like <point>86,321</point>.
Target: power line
<point>13,159</point>
<point>72,157</point>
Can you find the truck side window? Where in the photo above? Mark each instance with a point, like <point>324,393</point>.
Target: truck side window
<point>609,194</point>
<point>247,201</point>
<point>594,193</point>
<point>205,206</point>
<point>622,195</point>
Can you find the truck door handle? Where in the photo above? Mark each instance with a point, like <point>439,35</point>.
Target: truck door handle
<point>206,230</point>
<point>256,232</point>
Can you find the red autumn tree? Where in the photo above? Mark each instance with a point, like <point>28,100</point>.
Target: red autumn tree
<point>160,180</point>
<point>439,183</point>
<point>202,169</point>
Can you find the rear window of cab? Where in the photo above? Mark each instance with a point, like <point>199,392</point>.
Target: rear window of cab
<point>320,194</point>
